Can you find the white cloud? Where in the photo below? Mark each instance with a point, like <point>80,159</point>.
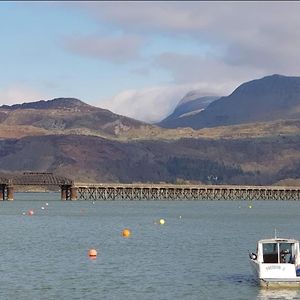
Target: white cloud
<point>149,16</point>
<point>114,49</point>
<point>155,103</point>
<point>260,34</point>
<point>230,19</point>
<point>17,93</point>
<point>209,70</point>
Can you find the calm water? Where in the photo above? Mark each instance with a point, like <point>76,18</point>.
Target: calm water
<point>202,255</point>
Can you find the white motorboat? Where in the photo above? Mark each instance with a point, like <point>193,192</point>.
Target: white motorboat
<point>277,262</point>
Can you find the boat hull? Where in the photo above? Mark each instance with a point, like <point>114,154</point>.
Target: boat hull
<point>275,275</point>
<point>279,283</point>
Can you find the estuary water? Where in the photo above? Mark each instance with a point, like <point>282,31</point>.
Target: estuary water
<point>201,252</point>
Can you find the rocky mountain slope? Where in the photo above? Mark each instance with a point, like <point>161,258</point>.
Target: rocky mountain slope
<point>271,98</point>
<point>94,159</point>
<point>62,116</point>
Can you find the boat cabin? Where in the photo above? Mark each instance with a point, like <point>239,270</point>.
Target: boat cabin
<point>277,251</point>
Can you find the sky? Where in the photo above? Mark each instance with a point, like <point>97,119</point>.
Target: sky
<point>139,59</point>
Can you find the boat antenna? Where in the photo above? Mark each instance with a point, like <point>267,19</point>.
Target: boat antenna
<point>275,233</point>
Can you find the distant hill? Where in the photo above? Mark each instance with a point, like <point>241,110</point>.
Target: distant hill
<point>57,103</point>
<point>271,98</point>
<point>190,104</point>
<point>94,159</point>
<point>64,116</point>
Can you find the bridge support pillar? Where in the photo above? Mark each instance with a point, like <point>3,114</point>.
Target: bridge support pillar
<point>64,192</point>
<point>68,192</point>
<point>10,193</point>
<point>2,194</point>
<point>73,193</point>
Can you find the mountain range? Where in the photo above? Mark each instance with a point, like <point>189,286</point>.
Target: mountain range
<point>248,137</point>
<point>270,98</point>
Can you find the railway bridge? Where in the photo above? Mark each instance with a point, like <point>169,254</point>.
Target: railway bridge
<point>71,190</point>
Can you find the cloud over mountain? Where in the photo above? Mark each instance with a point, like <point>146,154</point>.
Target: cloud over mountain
<point>153,104</point>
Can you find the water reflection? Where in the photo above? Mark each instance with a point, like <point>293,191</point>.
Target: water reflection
<point>236,279</point>
<point>276,294</point>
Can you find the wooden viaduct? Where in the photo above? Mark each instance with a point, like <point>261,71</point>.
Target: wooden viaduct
<point>117,191</point>
<point>184,192</point>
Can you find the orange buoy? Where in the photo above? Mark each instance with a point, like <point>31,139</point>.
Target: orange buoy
<point>126,233</point>
<point>30,213</point>
<point>92,253</point>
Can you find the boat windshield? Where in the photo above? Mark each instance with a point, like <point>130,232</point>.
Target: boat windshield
<point>278,253</point>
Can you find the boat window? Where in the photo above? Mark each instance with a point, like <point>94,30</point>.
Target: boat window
<point>270,253</point>
<point>285,250</point>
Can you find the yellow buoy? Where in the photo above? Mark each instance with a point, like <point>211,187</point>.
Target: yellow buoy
<point>250,206</point>
<point>126,233</point>
<point>161,221</point>
<point>92,253</point>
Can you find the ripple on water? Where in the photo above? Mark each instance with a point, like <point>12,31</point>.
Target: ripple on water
<point>203,255</point>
